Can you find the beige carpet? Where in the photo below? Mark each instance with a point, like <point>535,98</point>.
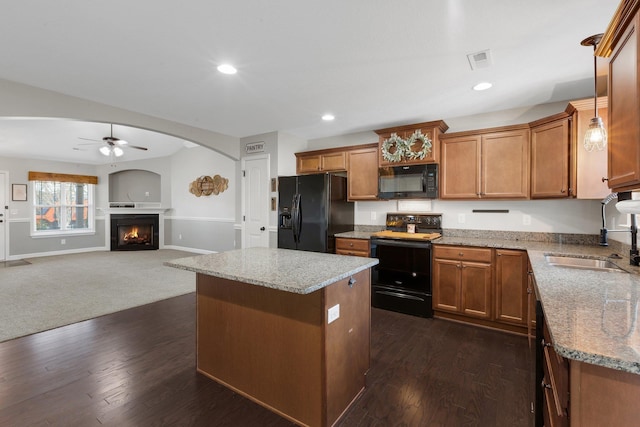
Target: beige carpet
<point>60,290</point>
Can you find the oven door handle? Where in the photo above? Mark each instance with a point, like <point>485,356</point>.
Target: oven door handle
<point>401,243</point>
<point>399,295</point>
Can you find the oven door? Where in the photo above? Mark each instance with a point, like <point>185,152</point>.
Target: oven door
<point>402,279</point>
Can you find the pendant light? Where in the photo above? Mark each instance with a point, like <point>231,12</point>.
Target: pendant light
<point>596,136</point>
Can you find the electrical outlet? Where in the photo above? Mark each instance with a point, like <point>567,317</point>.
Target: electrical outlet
<point>461,218</point>
<point>63,241</point>
<point>333,313</point>
<point>179,236</point>
<point>374,216</point>
<point>526,219</point>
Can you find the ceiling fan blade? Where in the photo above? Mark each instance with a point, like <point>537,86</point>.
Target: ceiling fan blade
<point>137,147</point>
<point>90,143</point>
<point>89,139</point>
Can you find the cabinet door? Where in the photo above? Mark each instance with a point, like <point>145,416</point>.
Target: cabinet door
<point>333,162</point>
<point>511,286</point>
<point>308,164</point>
<point>362,174</point>
<point>446,285</point>
<point>624,112</point>
<point>550,160</point>
<point>476,289</point>
<point>505,165</point>
<point>460,168</point>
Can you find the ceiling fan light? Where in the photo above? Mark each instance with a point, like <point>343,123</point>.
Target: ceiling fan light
<point>596,135</point>
<point>118,151</point>
<point>105,150</point>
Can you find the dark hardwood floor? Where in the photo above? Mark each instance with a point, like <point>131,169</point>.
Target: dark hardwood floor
<point>137,368</point>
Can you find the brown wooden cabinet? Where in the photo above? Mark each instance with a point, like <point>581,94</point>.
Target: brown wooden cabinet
<point>511,305</point>
<point>555,383</point>
<point>462,278</point>
<point>620,44</point>
<point>550,159</point>
<point>362,173</point>
<point>321,161</point>
<point>587,168</point>
<point>355,247</point>
<point>490,163</point>
<point>432,130</point>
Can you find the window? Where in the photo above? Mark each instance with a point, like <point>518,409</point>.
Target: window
<point>62,206</point>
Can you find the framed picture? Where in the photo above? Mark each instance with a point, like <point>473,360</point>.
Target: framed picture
<point>19,192</point>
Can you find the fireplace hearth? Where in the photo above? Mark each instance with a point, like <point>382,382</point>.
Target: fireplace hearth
<point>134,232</point>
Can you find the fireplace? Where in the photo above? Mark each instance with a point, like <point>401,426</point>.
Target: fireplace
<point>134,232</point>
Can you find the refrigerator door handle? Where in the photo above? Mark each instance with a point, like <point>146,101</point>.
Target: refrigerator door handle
<point>298,217</point>
<point>294,218</point>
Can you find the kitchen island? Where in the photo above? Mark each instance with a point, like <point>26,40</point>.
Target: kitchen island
<point>287,329</point>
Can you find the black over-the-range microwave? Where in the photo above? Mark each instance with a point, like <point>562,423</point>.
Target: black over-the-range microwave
<point>408,182</point>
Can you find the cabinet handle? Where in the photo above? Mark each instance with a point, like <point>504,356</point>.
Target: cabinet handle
<point>351,244</point>
<point>460,254</point>
<point>545,344</point>
<point>562,191</point>
<point>545,385</point>
<point>605,179</point>
<point>352,281</point>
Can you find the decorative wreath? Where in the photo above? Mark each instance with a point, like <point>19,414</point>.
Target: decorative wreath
<point>423,151</point>
<point>207,185</point>
<point>396,142</point>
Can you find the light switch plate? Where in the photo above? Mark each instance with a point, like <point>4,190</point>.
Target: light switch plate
<point>333,313</point>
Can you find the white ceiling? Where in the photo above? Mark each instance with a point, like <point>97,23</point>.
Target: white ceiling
<point>371,63</point>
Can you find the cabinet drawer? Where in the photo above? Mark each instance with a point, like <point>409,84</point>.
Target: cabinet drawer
<point>462,253</point>
<point>354,247</point>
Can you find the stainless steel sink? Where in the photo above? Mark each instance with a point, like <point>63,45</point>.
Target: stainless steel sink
<point>583,263</point>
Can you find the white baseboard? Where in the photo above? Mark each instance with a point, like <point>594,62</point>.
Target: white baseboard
<point>182,248</point>
<point>51,253</point>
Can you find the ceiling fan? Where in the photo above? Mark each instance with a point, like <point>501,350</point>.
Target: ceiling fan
<point>113,146</point>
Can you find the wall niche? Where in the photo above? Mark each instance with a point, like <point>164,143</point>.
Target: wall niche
<point>134,185</point>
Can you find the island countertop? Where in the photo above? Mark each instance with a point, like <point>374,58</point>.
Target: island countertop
<point>299,272</point>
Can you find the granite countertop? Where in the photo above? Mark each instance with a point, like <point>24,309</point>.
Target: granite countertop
<point>364,235</point>
<point>287,270</point>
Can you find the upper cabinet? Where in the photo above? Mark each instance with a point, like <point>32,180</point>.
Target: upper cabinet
<point>620,44</point>
<point>550,157</point>
<point>359,161</point>
<point>321,161</point>
<point>588,169</point>
<point>362,173</point>
<point>411,144</point>
<point>488,163</point>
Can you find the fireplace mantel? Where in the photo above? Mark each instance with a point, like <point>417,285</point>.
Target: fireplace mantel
<point>134,211</point>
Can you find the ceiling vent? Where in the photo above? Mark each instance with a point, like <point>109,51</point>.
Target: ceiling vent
<point>479,60</point>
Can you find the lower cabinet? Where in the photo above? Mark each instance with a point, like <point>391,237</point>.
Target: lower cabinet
<point>462,280</point>
<point>511,286</point>
<point>581,394</point>
<point>354,247</point>
<point>482,285</point>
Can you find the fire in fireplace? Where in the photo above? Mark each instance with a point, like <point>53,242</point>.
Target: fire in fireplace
<point>134,232</point>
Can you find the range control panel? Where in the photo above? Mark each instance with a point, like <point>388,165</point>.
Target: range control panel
<point>424,222</point>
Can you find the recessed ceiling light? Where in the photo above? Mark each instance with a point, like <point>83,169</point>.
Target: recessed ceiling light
<point>482,86</point>
<point>328,117</point>
<point>227,69</point>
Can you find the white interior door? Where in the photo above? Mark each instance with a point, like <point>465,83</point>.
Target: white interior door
<point>3,216</point>
<point>255,187</point>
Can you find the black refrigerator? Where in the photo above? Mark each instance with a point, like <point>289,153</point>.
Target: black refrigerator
<point>311,210</point>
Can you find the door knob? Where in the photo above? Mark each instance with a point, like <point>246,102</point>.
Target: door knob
<point>262,228</point>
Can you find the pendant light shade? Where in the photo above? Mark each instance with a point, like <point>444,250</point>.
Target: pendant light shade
<point>596,136</point>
